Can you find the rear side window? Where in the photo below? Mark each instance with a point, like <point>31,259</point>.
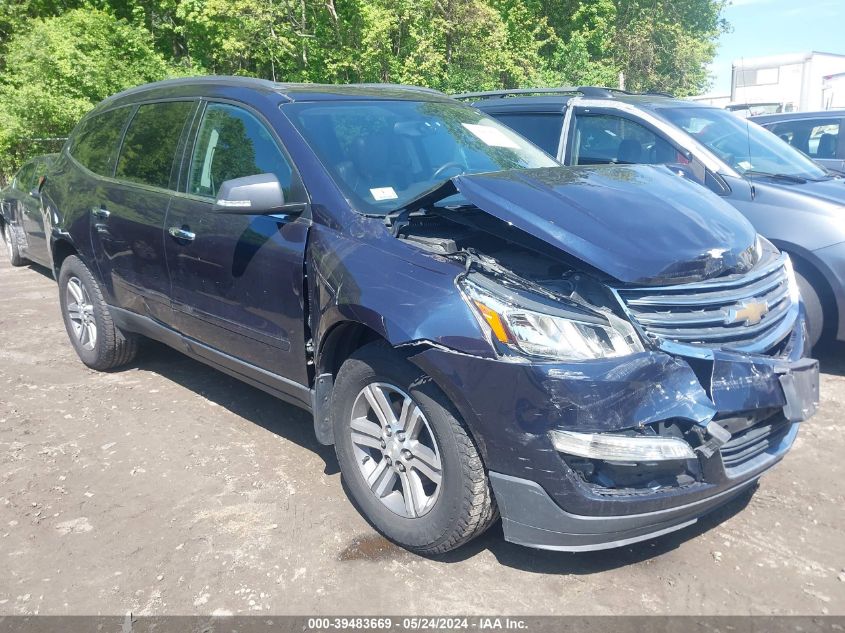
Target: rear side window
<point>541,129</point>
<point>149,146</point>
<point>25,179</point>
<point>232,143</point>
<point>95,142</point>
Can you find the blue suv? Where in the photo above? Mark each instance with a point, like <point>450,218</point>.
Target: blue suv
<point>599,354</point>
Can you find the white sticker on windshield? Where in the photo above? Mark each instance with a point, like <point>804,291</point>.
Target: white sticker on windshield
<point>383,193</point>
<point>494,137</point>
<point>744,164</point>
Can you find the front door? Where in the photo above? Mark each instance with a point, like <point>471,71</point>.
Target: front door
<point>237,280</point>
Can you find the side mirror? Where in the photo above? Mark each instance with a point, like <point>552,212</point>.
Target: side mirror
<point>251,195</point>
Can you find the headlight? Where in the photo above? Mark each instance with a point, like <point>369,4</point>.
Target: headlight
<point>620,447</point>
<point>548,335</point>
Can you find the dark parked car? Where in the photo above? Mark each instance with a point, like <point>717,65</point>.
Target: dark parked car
<point>24,225</point>
<point>814,133</point>
<point>600,354</point>
<point>791,200</point>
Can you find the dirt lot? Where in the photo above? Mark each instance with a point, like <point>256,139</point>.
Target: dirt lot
<point>169,488</point>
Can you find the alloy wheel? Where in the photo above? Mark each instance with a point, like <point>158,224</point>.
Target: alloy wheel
<point>80,310</point>
<point>395,450</point>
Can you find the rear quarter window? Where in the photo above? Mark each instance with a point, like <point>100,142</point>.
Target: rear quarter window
<point>95,141</point>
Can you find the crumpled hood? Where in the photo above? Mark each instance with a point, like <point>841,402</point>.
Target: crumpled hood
<point>640,224</point>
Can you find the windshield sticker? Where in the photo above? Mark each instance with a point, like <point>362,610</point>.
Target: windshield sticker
<point>494,137</point>
<point>744,165</point>
<point>383,193</point>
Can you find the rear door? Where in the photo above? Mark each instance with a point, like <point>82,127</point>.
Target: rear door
<point>18,205</point>
<point>237,280</point>
<point>33,216</point>
<point>129,211</point>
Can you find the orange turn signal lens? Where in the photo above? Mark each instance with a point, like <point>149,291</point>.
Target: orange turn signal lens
<point>494,321</point>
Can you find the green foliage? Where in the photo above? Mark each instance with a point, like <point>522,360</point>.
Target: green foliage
<point>57,68</point>
<point>59,57</point>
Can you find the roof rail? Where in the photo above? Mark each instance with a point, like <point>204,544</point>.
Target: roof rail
<point>399,86</point>
<point>596,92</point>
<point>492,94</point>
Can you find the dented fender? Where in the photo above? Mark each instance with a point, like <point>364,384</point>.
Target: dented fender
<point>396,290</point>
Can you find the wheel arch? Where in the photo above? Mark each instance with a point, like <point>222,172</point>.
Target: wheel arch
<point>811,267</point>
<point>60,249</point>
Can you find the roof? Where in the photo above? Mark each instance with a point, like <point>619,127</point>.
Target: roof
<point>796,116</point>
<point>289,91</point>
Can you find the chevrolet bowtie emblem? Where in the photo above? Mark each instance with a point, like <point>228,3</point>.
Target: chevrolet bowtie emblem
<point>747,313</point>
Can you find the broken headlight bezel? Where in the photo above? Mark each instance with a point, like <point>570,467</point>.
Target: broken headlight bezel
<point>539,330</point>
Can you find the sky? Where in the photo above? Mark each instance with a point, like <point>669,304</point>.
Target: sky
<point>774,27</point>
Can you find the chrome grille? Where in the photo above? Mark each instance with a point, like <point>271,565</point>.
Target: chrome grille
<point>752,312</point>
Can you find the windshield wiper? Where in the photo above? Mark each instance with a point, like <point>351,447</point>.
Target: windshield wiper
<point>764,174</point>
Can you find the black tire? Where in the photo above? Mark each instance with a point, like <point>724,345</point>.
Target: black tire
<point>464,506</point>
<point>112,347</point>
<point>12,250</point>
<point>814,309</point>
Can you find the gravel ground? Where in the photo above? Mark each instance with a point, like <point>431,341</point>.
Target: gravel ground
<point>170,488</point>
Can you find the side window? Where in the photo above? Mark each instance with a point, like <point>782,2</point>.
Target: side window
<point>149,146</point>
<point>601,139</point>
<point>541,129</point>
<point>95,142</point>
<point>816,138</point>
<point>25,177</point>
<point>824,139</point>
<point>232,143</point>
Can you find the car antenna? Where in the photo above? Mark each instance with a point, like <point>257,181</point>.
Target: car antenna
<point>748,141</point>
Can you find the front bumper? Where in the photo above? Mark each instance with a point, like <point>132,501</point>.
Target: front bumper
<point>510,407</point>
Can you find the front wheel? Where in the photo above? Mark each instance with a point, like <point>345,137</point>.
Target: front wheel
<point>813,308</point>
<point>99,343</point>
<point>408,461</point>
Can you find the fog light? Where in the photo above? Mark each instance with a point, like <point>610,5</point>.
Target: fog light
<point>621,448</point>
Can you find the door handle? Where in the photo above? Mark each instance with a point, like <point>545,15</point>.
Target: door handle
<point>101,213</point>
<point>181,234</point>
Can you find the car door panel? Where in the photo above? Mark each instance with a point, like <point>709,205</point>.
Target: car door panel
<point>127,219</point>
<point>128,244</point>
<point>33,217</point>
<point>237,284</point>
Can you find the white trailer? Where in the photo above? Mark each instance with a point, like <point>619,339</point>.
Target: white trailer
<point>797,82</point>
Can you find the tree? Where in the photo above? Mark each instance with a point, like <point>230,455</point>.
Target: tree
<point>59,67</point>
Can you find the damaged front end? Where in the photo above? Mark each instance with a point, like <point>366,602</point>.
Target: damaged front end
<point>637,382</point>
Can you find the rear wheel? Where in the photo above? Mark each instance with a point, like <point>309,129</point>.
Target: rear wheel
<point>12,249</point>
<point>408,461</point>
<point>814,309</point>
<point>88,321</point>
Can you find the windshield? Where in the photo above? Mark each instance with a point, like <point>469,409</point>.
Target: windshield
<point>743,145</point>
<point>384,154</point>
